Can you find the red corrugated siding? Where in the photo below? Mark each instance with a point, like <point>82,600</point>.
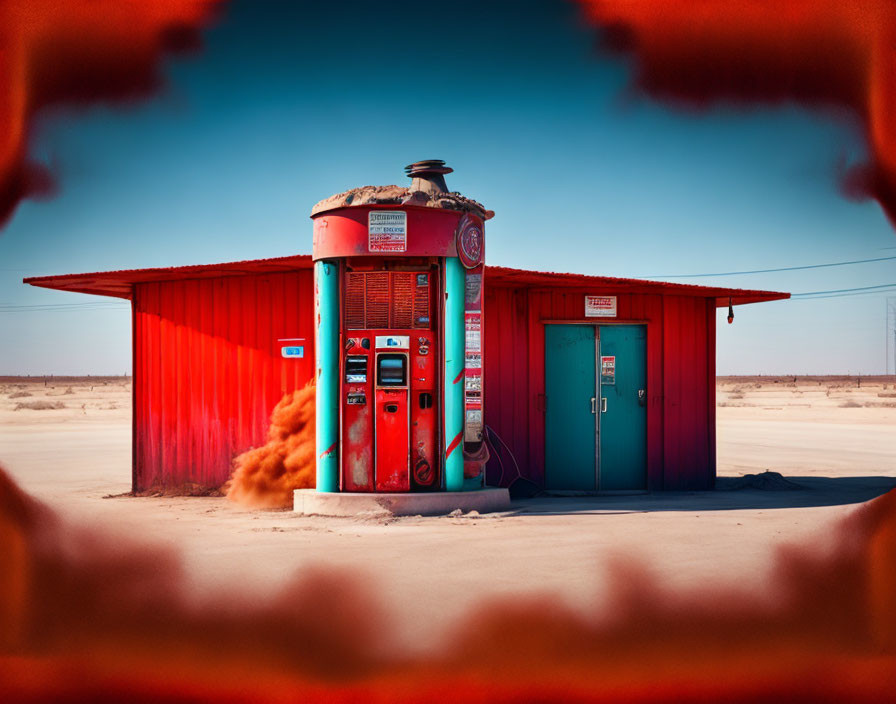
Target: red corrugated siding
<point>208,371</point>
<point>687,415</point>
<point>680,377</point>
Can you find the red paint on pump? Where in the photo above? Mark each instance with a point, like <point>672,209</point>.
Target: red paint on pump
<point>424,413</point>
<point>389,427</point>
<point>357,416</point>
<point>343,232</point>
<point>454,443</point>
<point>392,439</point>
<point>328,450</point>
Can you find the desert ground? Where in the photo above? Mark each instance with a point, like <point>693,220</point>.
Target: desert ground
<point>67,442</point>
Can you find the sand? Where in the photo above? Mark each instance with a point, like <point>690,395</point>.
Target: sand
<point>833,437</point>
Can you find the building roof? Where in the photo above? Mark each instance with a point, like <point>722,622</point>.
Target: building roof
<point>524,278</point>
<point>120,283</point>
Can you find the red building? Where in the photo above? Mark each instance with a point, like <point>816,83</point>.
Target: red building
<point>216,346</point>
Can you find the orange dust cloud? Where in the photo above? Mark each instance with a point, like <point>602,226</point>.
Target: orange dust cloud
<point>266,476</point>
<point>821,53</point>
<point>93,617</point>
<point>73,53</point>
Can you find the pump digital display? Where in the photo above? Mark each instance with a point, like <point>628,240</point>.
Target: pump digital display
<point>392,370</point>
<point>356,369</point>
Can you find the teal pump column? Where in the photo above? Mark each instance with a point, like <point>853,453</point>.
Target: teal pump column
<point>454,374</point>
<point>326,335</point>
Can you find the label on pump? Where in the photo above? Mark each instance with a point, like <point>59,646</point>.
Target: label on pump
<point>399,342</point>
<point>387,231</point>
<point>473,331</point>
<point>470,251</point>
<point>473,292</point>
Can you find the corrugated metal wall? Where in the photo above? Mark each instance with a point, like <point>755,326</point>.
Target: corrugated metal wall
<point>208,371</point>
<point>680,378</point>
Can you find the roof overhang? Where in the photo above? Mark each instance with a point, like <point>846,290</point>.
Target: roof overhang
<point>120,284</point>
<point>522,278</point>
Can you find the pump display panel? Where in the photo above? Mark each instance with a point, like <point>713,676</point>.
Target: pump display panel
<point>356,369</point>
<point>392,370</point>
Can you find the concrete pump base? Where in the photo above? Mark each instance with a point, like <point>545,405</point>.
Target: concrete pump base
<point>437,503</point>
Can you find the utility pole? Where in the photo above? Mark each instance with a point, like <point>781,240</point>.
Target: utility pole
<point>891,331</point>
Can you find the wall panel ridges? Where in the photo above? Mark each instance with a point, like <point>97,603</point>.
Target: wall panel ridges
<point>520,371</point>
<point>678,343</point>
<point>498,379</point>
<point>687,415</point>
<point>711,387</point>
<point>208,371</point>
<point>539,307</point>
<point>649,308</point>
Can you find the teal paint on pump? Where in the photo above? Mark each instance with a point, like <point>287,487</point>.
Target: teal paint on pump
<point>623,420</point>
<point>570,415</point>
<point>326,305</point>
<point>455,280</point>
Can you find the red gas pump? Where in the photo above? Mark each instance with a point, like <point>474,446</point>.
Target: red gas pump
<point>403,302</point>
<point>389,377</point>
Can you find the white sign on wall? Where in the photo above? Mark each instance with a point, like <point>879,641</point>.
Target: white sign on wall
<point>387,231</point>
<point>600,306</point>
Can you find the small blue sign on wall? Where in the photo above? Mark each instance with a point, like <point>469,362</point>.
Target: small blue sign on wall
<point>293,351</point>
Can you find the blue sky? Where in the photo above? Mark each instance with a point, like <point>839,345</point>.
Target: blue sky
<point>291,102</point>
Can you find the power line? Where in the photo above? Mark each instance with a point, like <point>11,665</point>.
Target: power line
<point>842,295</point>
<point>891,309</point>
<point>844,291</point>
<point>770,271</point>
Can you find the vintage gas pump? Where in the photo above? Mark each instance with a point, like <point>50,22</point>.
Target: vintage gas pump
<point>398,300</point>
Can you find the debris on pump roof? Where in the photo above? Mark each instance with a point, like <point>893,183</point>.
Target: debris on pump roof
<point>427,190</point>
<point>398,195</point>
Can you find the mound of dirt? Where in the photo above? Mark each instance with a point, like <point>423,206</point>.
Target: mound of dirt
<point>766,481</point>
<point>39,406</point>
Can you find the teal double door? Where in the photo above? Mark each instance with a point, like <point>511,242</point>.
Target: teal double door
<point>596,407</point>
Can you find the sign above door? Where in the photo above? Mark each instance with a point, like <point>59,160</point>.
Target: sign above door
<point>600,306</point>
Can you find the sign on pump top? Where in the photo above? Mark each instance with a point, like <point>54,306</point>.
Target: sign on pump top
<point>387,231</point>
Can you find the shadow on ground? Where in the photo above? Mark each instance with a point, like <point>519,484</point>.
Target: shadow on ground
<point>810,491</point>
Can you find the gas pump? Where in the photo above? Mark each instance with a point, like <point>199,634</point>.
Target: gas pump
<point>398,289</point>
<point>389,378</point>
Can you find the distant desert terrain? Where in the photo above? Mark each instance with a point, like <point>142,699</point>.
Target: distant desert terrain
<point>807,426</point>
<point>67,442</point>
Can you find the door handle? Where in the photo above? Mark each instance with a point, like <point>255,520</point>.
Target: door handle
<point>603,404</point>
<point>592,405</point>
<point>391,408</point>
<point>642,397</point>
